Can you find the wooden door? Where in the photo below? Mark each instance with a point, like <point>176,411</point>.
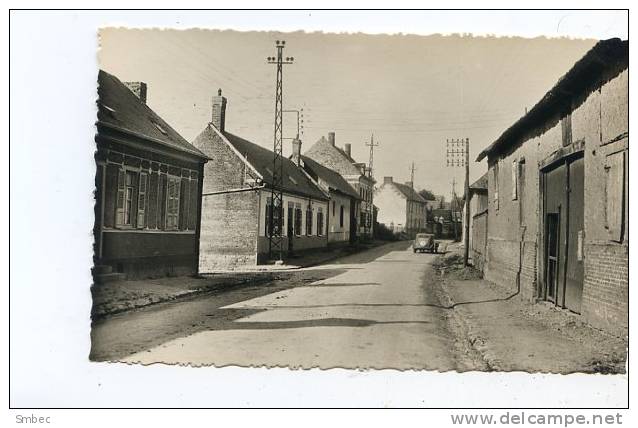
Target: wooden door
<point>574,270</point>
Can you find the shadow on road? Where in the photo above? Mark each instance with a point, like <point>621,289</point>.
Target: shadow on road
<point>372,254</point>
<point>226,319</point>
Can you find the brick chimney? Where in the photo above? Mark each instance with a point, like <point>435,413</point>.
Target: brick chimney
<point>348,149</point>
<point>296,151</point>
<point>387,180</point>
<point>331,138</point>
<point>138,88</point>
<point>219,111</point>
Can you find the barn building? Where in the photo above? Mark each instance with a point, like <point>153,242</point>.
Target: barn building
<point>558,193</point>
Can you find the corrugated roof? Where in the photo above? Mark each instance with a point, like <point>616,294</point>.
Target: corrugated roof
<point>333,178</point>
<point>604,61</point>
<point>120,108</point>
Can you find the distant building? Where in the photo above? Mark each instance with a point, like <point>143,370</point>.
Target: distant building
<point>326,153</point>
<point>236,200</point>
<point>148,188</point>
<point>344,200</point>
<point>401,208</point>
<point>558,193</point>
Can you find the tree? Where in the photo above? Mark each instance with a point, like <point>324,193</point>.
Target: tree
<point>427,195</point>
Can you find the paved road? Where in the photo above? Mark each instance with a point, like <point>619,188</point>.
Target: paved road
<point>376,309</point>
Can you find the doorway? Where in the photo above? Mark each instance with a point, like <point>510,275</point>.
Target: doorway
<point>563,216</point>
<point>552,232</point>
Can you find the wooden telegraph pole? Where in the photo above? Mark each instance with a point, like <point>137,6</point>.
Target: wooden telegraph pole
<point>466,255</point>
<point>458,154</point>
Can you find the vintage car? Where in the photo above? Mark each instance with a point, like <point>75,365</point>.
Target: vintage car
<point>424,242</point>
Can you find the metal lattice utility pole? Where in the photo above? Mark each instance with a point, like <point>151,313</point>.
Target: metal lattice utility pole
<point>458,155</point>
<point>370,202</point>
<point>275,220</point>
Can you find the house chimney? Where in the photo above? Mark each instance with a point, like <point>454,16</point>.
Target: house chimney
<point>219,111</point>
<point>387,180</point>
<point>348,148</point>
<point>138,88</point>
<point>296,151</point>
<point>331,138</point>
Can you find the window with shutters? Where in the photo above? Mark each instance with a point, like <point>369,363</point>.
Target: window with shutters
<point>184,204</point>
<point>341,216</point>
<point>172,202</point>
<point>126,203</point>
<point>319,221</point>
<point>298,214</point>
<point>110,194</point>
<point>150,213</point>
<point>615,195</point>
<point>309,221</point>
<point>276,218</point>
<point>141,200</point>
<point>192,212</point>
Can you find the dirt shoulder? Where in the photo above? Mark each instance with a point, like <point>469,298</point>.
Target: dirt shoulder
<point>512,334</point>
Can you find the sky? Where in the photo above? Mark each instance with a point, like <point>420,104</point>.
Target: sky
<point>412,92</point>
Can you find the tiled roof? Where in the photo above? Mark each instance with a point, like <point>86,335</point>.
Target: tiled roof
<point>332,157</point>
<point>120,108</point>
<point>408,192</point>
<point>332,178</point>
<point>295,179</point>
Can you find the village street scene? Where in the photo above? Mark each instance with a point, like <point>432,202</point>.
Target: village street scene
<point>297,200</point>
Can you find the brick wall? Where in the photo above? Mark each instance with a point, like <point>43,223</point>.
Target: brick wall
<point>229,222</point>
<point>228,235</point>
<point>605,294</point>
<point>503,263</point>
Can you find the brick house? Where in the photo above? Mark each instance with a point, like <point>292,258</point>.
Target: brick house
<point>326,153</point>
<point>148,188</point>
<point>344,200</point>
<point>558,199</point>
<point>401,208</point>
<point>478,200</point>
<point>236,200</point>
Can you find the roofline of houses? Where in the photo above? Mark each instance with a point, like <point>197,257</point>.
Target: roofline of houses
<point>168,149</point>
<point>239,155</point>
<point>604,61</point>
